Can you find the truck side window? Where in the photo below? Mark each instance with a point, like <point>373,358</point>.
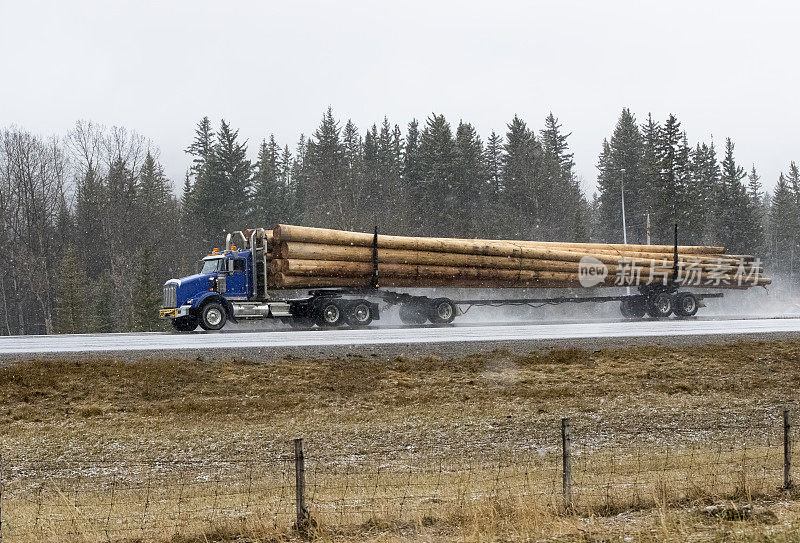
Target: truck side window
<point>238,265</point>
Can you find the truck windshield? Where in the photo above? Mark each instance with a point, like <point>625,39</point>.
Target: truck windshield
<point>213,265</point>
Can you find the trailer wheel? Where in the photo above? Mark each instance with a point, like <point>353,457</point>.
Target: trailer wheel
<point>660,305</point>
<point>359,314</point>
<point>185,324</point>
<point>213,316</point>
<point>442,311</point>
<point>330,314</point>
<point>633,308</point>
<point>686,304</point>
<point>409,314</point>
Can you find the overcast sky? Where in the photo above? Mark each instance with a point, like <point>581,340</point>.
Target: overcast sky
<point>727,68</point>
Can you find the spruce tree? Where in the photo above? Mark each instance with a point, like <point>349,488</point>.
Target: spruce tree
<point>268,187</point>
<point>325,202</point>
<point>559,193</point>
<point>784,230</point>
<point>493,166</point>
<point>469,184</point>
<point>232,179</point>
<point>520,203</point>
<point>706,174</point>
<point>146,295</point>
<point>622,156</point>
<point>740,227</point>
<point>358,189</point>
<point>412,178</point>
<point>434,197</point>
<point>71,310</point>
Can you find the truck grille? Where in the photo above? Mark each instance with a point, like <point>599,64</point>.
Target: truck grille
<point>170,296</point>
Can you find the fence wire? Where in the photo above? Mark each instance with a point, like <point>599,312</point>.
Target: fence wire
<point>611,470</point>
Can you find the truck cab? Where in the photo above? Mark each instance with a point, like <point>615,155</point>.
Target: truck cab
<point>231,284</point>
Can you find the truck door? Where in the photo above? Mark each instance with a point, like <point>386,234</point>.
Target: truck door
<point>236,284</point>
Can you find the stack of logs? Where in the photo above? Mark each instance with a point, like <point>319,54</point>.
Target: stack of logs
<point>304,257</point>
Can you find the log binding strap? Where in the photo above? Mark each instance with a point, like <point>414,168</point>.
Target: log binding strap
<point>374,280</point>
<point>675,259</point>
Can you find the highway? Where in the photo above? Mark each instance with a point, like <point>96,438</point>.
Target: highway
<point>351,338</point>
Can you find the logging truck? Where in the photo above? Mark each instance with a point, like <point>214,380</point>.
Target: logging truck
<point>309,277</point>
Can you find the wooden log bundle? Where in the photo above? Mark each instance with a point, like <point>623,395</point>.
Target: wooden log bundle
<point>305,257</point>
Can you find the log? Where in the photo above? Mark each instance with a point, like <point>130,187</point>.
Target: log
<point>299,282</point>
<point>325,268</point>
<point>283,233</point>
<point>279,280</point>
<point>313,251</point>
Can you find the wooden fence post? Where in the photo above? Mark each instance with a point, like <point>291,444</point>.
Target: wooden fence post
<point>787,451</point>
<point>300,485</point>
<point>566,457</point>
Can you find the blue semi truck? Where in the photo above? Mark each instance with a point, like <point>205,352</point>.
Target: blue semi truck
<point>233,284</point>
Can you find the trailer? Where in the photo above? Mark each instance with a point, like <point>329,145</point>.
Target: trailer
<point>233,284</point>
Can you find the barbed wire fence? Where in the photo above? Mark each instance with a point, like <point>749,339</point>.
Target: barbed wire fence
<point>583,468</point>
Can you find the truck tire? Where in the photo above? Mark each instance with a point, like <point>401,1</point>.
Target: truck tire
<point>686,304</point>
<point>410,314</point>
<point>213,316</point>
<point>330,314</point>
<point>359,314</point>
<point>185,324</point>
<point>442,311</point>
<point>633,308</point>
<point>660,305</point>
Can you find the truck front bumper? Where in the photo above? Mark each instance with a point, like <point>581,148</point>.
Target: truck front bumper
<point>174,312</point>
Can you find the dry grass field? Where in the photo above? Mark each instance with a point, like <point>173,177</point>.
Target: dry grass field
<point>405,449</point>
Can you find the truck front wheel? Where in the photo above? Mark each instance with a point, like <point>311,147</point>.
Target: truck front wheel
<point>185,324</point>
<point>212,316</point>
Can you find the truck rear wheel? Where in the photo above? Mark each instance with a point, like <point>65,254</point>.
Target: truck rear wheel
<point>442,311</point>
<point>686,304</point>
<point>359,313</point>
<point>660,305</point>
<point>185,324</point>
<point>212,316</point>
<point>330,314</point>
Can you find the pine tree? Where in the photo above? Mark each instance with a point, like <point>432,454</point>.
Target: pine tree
<point>559,193</point>
<point>268,187</point>
<point>469,184</point>
<point>232,178</point>
<point>102,303</point>
<point>520,202</point>
<point>433,198</point>
<point>622,157</point>
<point>784,230</point>
<point>146,299</point>
<point>739,225</point>
<point>493,166</point>
<point>412,178</point>
<point>325,199</point>
<point>650,179</point>
<point>357,186</point>
<point>706,174</point>
<point>154,204</point>
<point>71,311</point>
<point>793,178</point>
